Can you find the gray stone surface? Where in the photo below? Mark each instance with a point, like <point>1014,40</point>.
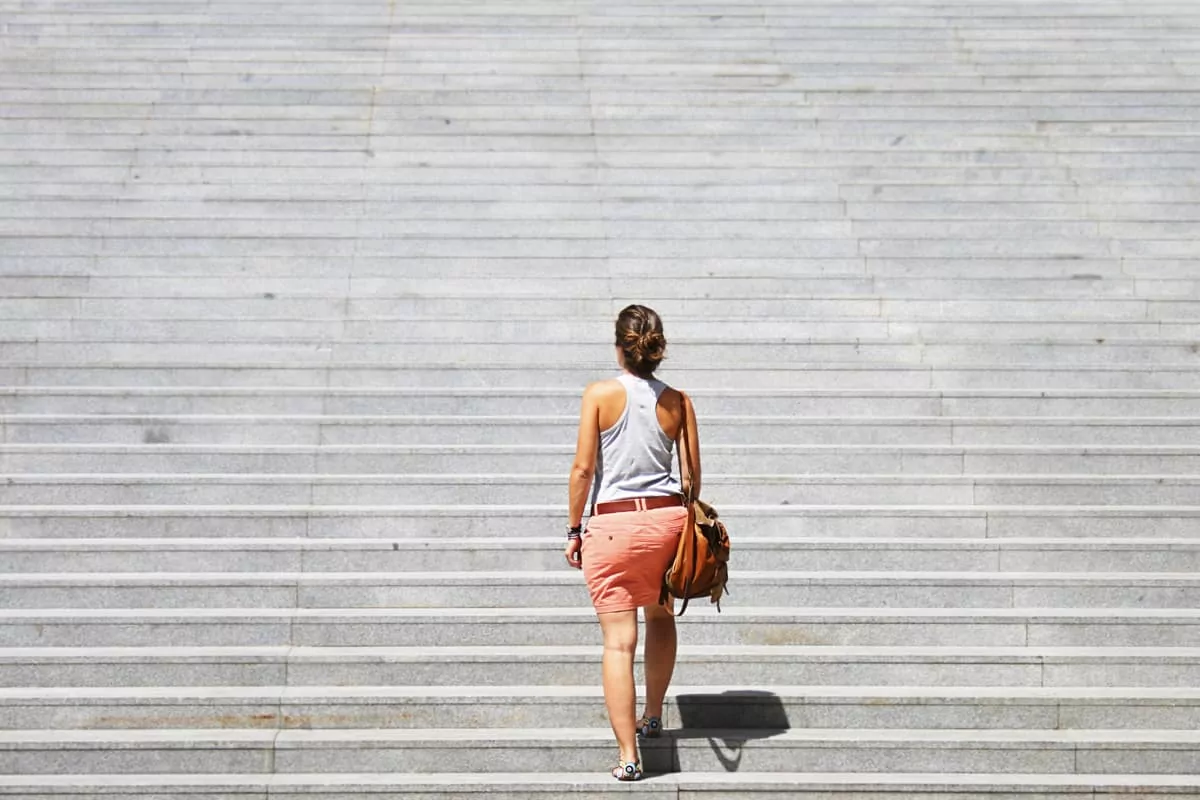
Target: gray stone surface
<point>516,458</point>
<point>297,299</point>
<point>499,523</point>
<point>510,786</point>
<point>1091,378</point>
<point>397,750</point>
<point>797,557</point>
<point>728,402</point>
<point>549,429</point>
<point>400,707</point>
<point>423,627</point>
<point>449,489</point>
<point>517,589</point>
<point>820,666</point>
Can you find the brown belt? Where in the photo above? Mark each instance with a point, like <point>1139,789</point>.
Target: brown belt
<point>637,504</point>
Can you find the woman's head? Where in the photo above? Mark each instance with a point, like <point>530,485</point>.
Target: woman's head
<point>640,340</point>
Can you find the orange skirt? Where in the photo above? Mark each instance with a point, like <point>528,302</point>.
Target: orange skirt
<point>625,556</point>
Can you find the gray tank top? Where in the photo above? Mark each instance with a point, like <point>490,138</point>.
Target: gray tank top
<point>634,459</point>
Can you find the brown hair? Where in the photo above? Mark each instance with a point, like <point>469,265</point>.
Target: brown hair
<point>640,337</point>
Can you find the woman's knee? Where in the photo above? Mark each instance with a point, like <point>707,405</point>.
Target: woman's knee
<point>620,631</point>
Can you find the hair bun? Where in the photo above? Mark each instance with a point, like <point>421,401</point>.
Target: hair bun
<point>652,343</point>
<point>640,336</point>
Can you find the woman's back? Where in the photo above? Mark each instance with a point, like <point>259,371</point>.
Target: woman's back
<point>635,453</point>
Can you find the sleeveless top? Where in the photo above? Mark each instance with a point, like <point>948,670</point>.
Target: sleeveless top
<point>634,458</point>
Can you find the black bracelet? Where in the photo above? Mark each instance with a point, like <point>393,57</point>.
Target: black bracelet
<point>575,532</point>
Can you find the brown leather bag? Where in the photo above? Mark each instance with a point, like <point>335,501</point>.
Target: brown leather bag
<point>701,565</point>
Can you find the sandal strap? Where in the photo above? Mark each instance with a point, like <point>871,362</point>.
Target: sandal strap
<point>649,726</point>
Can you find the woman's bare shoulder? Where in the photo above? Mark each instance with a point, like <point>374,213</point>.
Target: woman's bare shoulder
<point>601,390</point>
<point>671,397</point>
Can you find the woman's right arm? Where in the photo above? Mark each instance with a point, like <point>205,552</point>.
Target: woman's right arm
<point>583,470</point>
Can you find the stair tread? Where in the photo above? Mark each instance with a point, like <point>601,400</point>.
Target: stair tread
<point>492,652</point>
<point>554,510</point>
<point>566,451</point>
<point>567,781</point>
<point>524,419</point>
<point>545,478</point>
<point>318,544</point>
<point>727,614</point>
<point>482,737</point>
<point>485,578</point>
<point>543,391</point>
<point>542,694</point>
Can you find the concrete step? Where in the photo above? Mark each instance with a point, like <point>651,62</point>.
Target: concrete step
<point>251,489</point>
<point>280,299</point>
<point>452,291</point>
<point>855,200</point>
<point>553,707</point>
<point>263,401</point>
<point>465,169</point>
<point>945,200</point>
<point>176,751</point>
<point>204,372</point>
<point>1103,125</point>
<point>684,332</point>
<point>883,352</point>
<point>720,785</point>
<point>688,299</point>
<point>745,458</point>
<point>778,588</point>
<point>753,551</point>
<point>565,142</point>
<point>562,67</point>
<point>628,127</point>
<point>569,665</point>
<point>568,155</point>
<point>836,521</point>
<point>327,627</point>
<point>555,430</point>
<point>848,118</point>
<point>314,352</point>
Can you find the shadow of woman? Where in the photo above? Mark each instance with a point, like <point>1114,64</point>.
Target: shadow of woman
<point>728,721</point>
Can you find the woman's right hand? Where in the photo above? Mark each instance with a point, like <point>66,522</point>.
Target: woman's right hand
<point>573,553</point>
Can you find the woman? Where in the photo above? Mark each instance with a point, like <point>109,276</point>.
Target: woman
<point>626,431</point>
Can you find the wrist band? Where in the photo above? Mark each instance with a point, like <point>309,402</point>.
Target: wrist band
<point>575,532</point>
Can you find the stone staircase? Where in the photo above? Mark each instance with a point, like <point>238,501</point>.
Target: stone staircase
<point>297,300</point>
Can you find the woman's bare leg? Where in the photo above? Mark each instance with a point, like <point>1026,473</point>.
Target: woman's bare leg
<point>660,656</point>
<point>620,695</point>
